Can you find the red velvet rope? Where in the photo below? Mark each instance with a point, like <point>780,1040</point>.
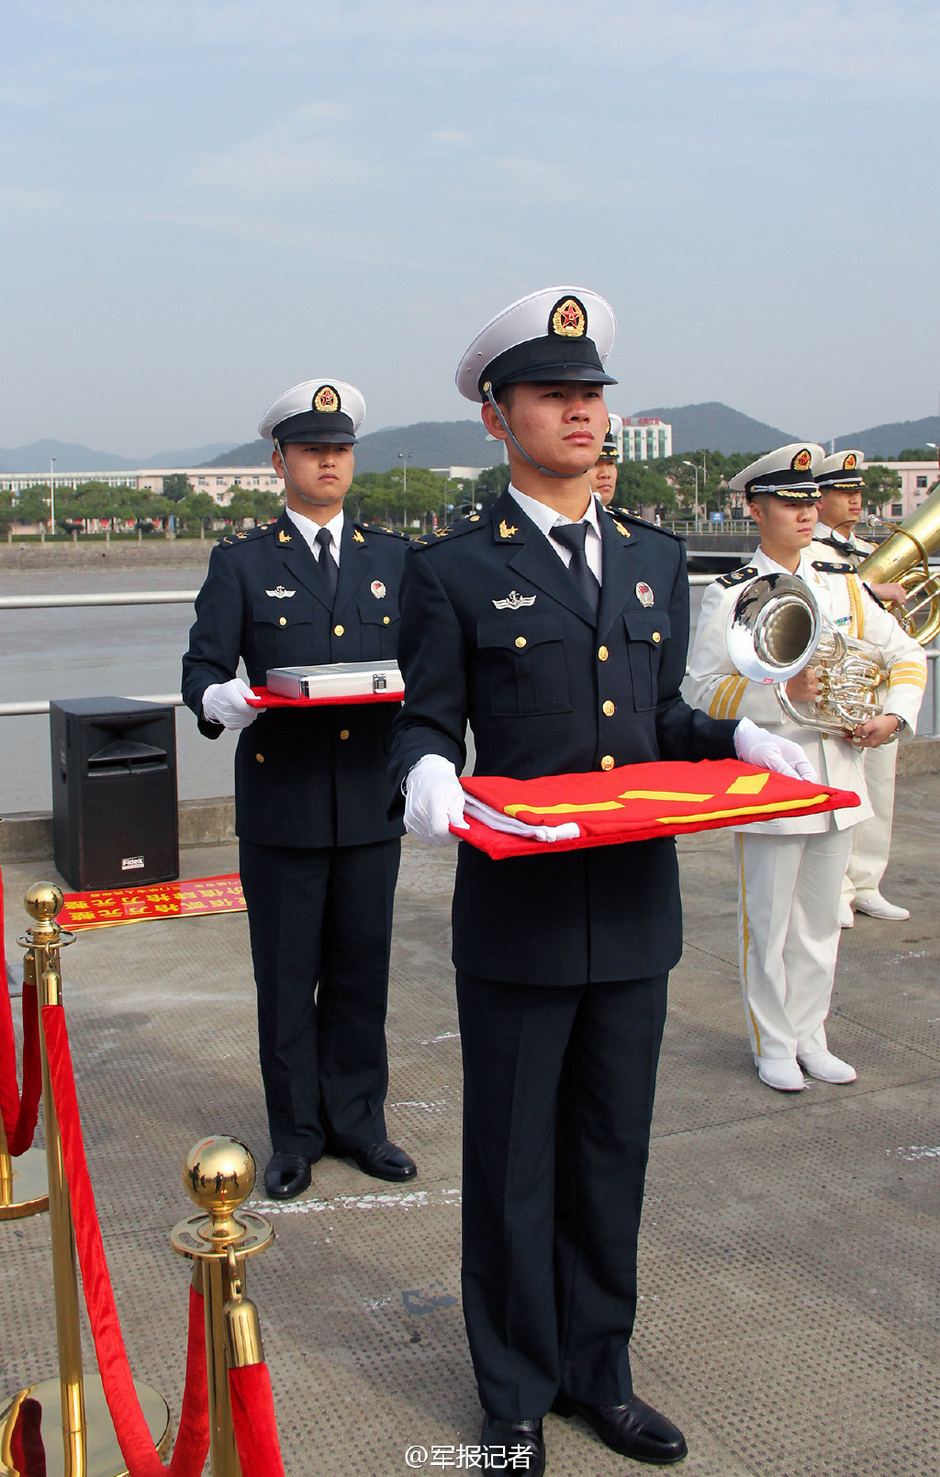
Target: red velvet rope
<point>133,1435</point>
<point>19,1111</point>
<point>253,1419</point>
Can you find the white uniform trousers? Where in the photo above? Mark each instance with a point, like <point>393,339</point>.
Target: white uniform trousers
<point>871,839</point>
<point>788,936</point>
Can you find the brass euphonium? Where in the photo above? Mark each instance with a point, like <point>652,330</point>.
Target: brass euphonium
<point>903,557</point>
<point>776,628</point>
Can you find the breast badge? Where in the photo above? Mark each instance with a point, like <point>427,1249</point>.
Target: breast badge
<point>279,593</point>
<point>514,601</point>
<point>378,589</point>
<point>644,594</point>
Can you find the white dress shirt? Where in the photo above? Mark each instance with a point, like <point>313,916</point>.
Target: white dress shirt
<point>309,529</point>
<point>546,518</point>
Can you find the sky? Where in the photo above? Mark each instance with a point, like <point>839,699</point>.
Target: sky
<point>203,203</point>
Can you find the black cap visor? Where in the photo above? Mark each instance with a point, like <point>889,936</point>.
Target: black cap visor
<point>312,427</point>
<point>546,360</point>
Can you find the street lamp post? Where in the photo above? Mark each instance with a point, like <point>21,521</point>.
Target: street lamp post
<point>405,457</point>
<point>52,462</point>
<point>696,469</point>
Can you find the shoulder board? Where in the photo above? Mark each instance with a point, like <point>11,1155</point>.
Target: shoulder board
<point>246,535</point>
<point>737,576</point>
<point>828,568</point>
<point>451,531</point>
<point>378,528</point>
<point>622,516</point>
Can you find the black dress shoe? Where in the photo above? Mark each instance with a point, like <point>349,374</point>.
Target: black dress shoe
<point>385,1161</point>
<point>286,1175</point>
<point>515,1445</point>
<point>634,1429</point>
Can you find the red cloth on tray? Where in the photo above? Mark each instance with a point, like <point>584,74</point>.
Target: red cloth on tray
<point>639,801</point>
<point>264,699</point>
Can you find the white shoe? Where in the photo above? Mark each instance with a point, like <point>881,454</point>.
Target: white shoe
<point>846,916</point>
<point>781,1072</point>
<point>827,1068</point>
<point>876,906</point>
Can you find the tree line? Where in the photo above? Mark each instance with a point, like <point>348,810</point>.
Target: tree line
<point>417,500</point>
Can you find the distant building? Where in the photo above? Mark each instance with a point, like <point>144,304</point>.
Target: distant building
<point>216,481</point>
<point>917,478</point>
<point>459,474</point>
<point>645,439</point>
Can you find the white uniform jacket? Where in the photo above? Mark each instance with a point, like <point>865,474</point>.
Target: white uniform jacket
<point>719,688</point>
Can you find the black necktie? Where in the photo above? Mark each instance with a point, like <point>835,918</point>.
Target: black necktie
<point>573,535</point>
<point>328,563</point>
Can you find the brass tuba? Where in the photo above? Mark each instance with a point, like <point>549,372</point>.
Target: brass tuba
<point>776,628</point>
<point>903,557</point>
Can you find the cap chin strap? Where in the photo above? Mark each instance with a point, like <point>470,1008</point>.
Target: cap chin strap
<point>548,472</point>
<point>289,479</point>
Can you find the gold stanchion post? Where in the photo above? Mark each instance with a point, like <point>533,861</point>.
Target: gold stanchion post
<point>219,1176</point>
<point>89,1446</point>
<point>24,1186</point>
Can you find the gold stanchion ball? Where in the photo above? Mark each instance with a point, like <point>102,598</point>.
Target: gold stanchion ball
<point>44,901</point>
<point>219,1175</point>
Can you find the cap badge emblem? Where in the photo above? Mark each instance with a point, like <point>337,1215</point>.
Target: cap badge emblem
<point>326,399</point>
<point>506,530</point>
<point>851,462</point>
<point>378,589</point>
<point>514,601</point>
<point>279,593</point>
<point>283,538</point>
<point>644,594</point>
<point>802,461</point>
<point>568,320</point>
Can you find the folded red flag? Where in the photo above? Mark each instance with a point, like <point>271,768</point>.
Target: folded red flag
<point>639,801</point>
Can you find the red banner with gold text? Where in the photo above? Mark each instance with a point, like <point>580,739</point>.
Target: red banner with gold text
<point>144,904</point>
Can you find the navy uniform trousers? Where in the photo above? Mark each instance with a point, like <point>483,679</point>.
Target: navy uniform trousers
<point>562,961</point>
<point>318,854</point>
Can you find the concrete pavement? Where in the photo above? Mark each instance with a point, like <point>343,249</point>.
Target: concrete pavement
<point>789,1255</point>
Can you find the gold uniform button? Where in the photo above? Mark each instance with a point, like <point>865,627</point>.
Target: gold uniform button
<point>338,630</point>
<point>656,636</point>
<point>520,641</point>
<point>344,733</point>
<point>609,709</point>
<point>283,621</point>
<point>602,653</point>
<point>607,762</point>
<point>260,758</point>
<point>385,620</point>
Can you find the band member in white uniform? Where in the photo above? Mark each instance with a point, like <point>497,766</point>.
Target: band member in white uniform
<point>841,485</point>
<point>790,871</point>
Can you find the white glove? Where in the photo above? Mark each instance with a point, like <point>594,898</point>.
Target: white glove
<point>433,801</point>
<point>755,745</point>
<point>224,702</point>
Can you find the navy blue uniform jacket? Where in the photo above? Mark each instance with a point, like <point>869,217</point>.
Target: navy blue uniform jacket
<point>319,776</point>
<point>546,691</point>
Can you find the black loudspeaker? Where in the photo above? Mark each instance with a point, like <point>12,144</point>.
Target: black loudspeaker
<point>114,813</point>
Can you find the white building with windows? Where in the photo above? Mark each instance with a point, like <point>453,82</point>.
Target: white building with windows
<point>917,479</point>
<point>217,482</point>
<point>646,439</point>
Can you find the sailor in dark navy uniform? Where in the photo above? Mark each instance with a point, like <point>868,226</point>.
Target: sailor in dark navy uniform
<point>318,854</point>
<point>559,633</point>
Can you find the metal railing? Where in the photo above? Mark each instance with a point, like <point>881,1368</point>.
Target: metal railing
<point>186,597</point>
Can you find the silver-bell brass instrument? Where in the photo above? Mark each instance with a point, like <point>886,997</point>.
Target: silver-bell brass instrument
<point>776,628</point>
